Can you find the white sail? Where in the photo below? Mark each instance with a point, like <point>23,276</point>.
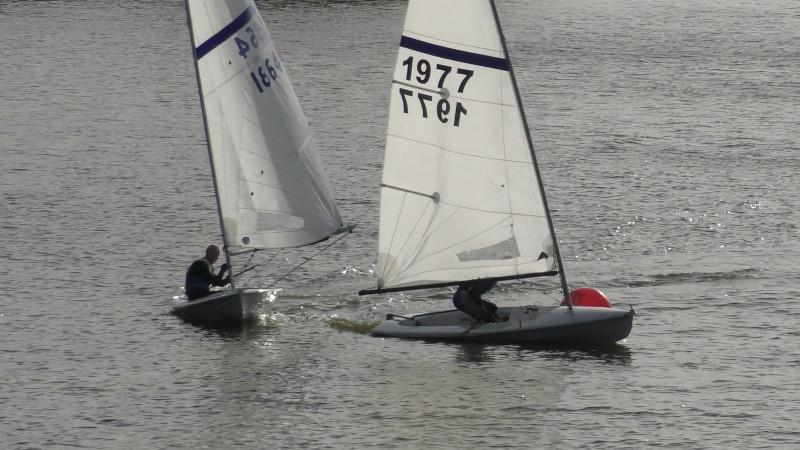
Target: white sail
<point>271,189</point>
<point>460,197</point>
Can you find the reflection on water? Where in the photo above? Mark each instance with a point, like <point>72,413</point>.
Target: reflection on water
<point>612,353</point>
<point>246,331</point>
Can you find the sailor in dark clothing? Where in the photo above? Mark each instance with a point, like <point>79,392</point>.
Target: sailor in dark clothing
<point>200,275</point>
<point>468,299</point>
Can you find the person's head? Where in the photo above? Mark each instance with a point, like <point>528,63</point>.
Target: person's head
<point>212,253</point>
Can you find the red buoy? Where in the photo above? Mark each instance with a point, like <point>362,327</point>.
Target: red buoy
<point>586,296</point>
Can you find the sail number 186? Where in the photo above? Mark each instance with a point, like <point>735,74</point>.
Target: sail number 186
<point>263,75</point>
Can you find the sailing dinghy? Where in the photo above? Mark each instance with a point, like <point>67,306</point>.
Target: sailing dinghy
<point>462,198</point>
<point>271,191</point>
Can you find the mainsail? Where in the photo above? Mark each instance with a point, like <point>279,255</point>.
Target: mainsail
<point>271,190</point>
<point>461,197</point>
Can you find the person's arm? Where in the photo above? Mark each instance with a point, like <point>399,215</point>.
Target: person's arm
<point>218,280</point>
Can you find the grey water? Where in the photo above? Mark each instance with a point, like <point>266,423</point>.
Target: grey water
<point>667,135</point>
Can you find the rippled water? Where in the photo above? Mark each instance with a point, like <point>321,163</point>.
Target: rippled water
<point>667,133</point>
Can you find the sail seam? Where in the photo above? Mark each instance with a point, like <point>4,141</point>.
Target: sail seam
<point>449,150</point>
<point>428,36</point>
<point>453,95</point>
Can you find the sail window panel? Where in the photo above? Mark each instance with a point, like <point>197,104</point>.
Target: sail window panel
<point>505,249</point>
<point>474,29</point>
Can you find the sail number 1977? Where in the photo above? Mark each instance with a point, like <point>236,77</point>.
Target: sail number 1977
<point>423,72</point>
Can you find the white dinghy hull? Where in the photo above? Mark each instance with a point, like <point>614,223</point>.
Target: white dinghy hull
<point>231,306</point>
<point>520,324</point>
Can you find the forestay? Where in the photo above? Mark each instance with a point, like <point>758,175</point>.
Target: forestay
<point>272,191</point>
<point>460,197</point>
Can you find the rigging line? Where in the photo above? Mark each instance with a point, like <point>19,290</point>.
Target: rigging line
<point>282,277</point>
<point>474,324</point>
<point>244,271</point>
<point>449,150</point>
<point>269,261</point>
<point>396,222</point>
<point>488,211</point>
<point>421,242</point>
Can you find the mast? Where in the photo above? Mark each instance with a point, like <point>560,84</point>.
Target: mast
<point>561,273</point>
<point>208,141</point>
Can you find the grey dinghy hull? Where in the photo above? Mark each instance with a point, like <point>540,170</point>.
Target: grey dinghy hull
<point>226,307</point>
<point>521,324</point>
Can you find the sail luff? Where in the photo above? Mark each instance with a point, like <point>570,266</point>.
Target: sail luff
<point>561,272</point>
<point>225,247</point>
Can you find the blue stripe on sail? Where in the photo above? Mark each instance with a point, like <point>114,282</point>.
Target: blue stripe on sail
<point>456,55</point>
<point>223,35</point>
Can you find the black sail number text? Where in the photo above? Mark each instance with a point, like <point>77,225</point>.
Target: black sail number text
<point>442,106</point>
<point>264,74</point>
<point>423,72</point>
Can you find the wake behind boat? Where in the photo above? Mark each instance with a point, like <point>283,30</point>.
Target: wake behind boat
<point>270,188</point>
<point>462,198</point>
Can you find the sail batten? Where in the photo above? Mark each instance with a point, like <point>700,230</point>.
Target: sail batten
<point>461,198</point>
<point>271,190</point>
